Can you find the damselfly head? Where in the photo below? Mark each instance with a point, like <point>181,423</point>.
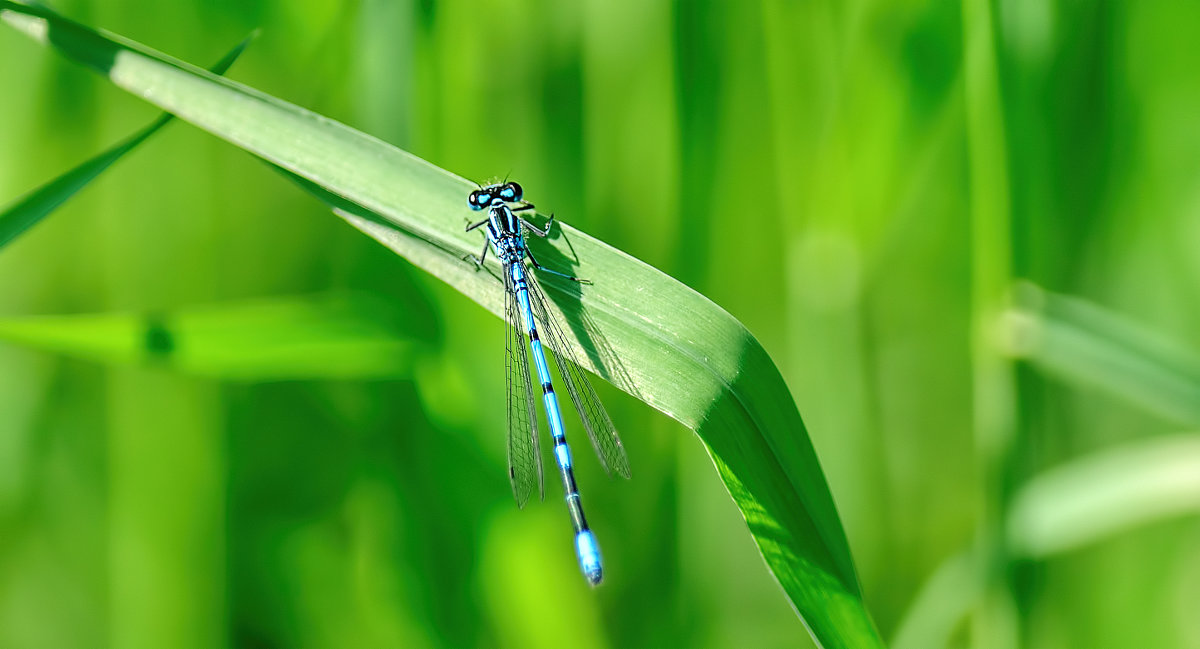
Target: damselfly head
<point>486,196</point>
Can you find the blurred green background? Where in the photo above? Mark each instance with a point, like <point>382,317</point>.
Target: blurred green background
<point>862,184</point>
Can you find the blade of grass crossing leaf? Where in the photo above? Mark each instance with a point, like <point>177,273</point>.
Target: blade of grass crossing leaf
<point>31,208</point>
<point>642,330</point>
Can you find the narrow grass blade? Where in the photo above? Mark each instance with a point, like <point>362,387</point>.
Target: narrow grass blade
<point>1091,346</point>
<point>640,329</point>
<point>328,337</point>
<point>31,208</point>
<point>1096,497</point>
<point>941,605</point>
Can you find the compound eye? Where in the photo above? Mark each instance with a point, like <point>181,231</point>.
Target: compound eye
<point>478,199</point>
<point>511,192</point>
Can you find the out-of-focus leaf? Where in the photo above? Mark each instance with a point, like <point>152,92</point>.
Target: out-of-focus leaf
<point>940,605</point>
<point>1085,501</point>
<point>1092,498</point>
<point>644,331</point>
<point>31,208</point>
<point>1091,346</point>
<point>328,337</point>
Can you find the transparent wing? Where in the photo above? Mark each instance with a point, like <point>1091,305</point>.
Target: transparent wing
<point>524,455</point>
<point>596,422</point>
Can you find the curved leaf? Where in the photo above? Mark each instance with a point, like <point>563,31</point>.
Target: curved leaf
<point>645,332</point>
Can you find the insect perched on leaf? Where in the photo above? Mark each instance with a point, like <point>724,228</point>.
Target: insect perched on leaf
<point>526,314</point>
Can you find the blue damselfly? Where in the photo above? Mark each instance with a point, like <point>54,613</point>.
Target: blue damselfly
<point>526,314</point>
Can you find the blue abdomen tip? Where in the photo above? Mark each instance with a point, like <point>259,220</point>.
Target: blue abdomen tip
<point>589,556</point>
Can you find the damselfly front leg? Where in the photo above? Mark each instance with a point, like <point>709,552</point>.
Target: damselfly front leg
<point>483,255</point>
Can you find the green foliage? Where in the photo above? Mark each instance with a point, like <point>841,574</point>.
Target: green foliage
<point>1098,497</point>
<point>645,332</point>
<point>37,204</point>
<point>1090,346</point>
<point>917,208</point>
<point>1094,498</point>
